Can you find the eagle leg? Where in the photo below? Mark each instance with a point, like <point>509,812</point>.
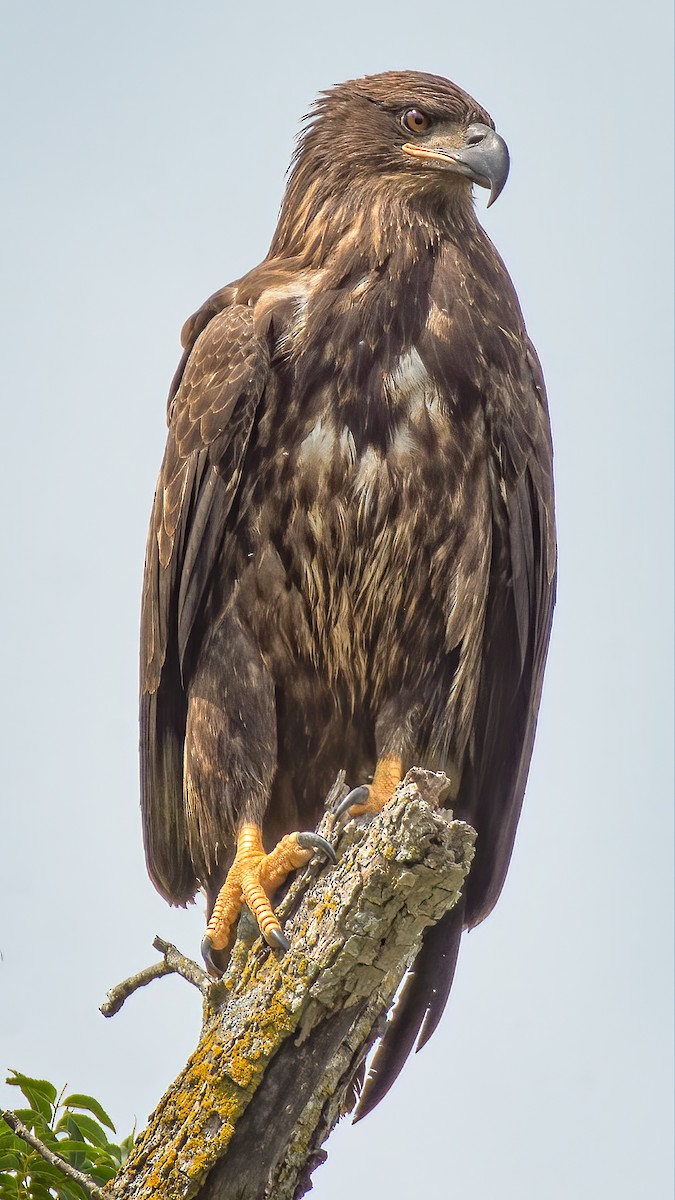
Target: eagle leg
<point>371,798</point>
<point>253,877</point>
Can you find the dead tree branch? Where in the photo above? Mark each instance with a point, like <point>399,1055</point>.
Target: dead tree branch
<point>174,963</point>
<point>285,1036</point>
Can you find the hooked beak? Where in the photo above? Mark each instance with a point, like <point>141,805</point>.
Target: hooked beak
<point>484,157</point>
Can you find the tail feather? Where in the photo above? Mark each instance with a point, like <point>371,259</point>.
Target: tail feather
<point>446,961</point>
<point>165,831</point>
<point>419,1007</point>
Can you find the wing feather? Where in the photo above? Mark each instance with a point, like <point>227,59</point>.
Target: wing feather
<point>517,629</point>
<point>211,417</point>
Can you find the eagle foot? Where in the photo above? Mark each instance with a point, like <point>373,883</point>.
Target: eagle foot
<point>252,878</point>
<point>371,798</point>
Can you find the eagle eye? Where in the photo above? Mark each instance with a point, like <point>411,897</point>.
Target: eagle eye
<point>415,121</point>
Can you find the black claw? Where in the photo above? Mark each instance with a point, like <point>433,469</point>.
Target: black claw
<point>210,956</point>
<point>314,841</point>
<point>278,940</point>
<point>358,795</point>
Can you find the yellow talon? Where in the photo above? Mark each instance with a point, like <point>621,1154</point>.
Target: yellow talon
<point>252,878</point>
<point>372,797</point>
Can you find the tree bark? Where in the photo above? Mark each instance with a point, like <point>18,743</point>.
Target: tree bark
<point>285,1037</point>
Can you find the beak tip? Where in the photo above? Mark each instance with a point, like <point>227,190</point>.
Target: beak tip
<point>495,193</point>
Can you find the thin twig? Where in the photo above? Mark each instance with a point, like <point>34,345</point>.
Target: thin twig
<point>84,1181</point>
<point>183,966</point>
<point>174,963</point>
<point>121,992</point>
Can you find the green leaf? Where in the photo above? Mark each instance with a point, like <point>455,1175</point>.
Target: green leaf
<point>39,1093</point>
<point>103,1173</point>
<point>10,1160</point>
<point>47,1089</point>
<point>128,1141</point>
<point>84,1128</point>
<point>69,1146</point>
<point>34,1120</point>
<point>118,1155</point>
<point>38,1192</point>
<point>68,1190</point>
<point>77,1100</point>
<point>39,1104</point>
<point>69,1123</point>
<point>10,1140</point>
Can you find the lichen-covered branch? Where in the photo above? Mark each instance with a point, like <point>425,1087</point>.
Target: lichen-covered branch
<point>285,1036</point>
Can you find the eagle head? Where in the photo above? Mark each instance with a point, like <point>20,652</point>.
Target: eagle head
<point>401,134</point>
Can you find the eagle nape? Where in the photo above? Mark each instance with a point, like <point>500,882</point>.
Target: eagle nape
<point>253,877</point>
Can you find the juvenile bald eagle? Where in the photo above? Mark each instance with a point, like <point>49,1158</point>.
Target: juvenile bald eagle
<point>351,557</point>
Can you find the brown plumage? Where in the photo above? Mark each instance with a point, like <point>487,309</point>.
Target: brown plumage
<point>352,546</point>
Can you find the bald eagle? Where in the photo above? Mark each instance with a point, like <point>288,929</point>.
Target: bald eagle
<point>351,558</point>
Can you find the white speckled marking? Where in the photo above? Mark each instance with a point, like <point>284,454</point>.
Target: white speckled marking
<point>318,447</point>
<point>410,383</point>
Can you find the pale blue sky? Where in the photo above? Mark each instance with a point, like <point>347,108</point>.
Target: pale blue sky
<point>145,146</point>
